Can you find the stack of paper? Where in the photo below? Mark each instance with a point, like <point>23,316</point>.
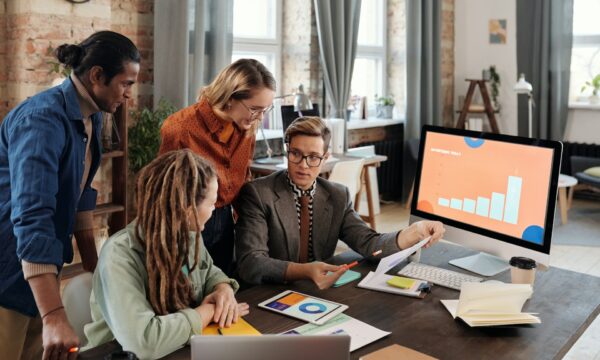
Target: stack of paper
<point>492,304</point>
<point>360,333</point>
<point>378,280</point>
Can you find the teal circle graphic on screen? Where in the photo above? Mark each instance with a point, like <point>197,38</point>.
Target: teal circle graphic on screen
<point>312,308</point>
<point>534,234</point>
<point>474,143</point>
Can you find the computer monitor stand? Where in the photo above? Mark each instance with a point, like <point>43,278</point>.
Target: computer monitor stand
<point>268,160</point>
<point>482,264</point>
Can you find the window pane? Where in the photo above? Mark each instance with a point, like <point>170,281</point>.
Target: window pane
<point>254,19</point>
<point>585,64</point>
<point>585,17</point>
<point>366,78</point>
<point>371,23</point>
<point>266,59</point>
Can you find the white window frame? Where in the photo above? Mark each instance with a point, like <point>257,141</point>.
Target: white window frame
<point>271,47</point>
<point>378,52</point>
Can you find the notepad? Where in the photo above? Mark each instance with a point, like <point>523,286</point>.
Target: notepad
<point>490,304</point>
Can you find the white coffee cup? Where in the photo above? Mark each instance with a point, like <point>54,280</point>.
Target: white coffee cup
<point>522,270</point>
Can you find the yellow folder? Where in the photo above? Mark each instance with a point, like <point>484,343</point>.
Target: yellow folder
<point>242,327</point>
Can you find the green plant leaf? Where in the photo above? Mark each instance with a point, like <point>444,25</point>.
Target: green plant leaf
<point>144,136</point>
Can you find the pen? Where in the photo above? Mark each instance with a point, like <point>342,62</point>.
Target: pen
<point>356,262</point>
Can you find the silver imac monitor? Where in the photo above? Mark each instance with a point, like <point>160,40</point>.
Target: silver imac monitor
<point>494,193</point>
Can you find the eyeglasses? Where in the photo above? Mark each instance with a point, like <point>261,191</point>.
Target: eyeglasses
<point>256,113</point>
<point>296,157</point>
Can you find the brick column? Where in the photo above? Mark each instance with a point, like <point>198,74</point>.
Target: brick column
<point>447,55</point>
<point>396,51</point>
<point>300,51</point>
<point>3,95</point>
<point>135,19</point>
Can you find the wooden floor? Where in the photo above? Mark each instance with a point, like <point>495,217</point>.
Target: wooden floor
<point>583,259</point>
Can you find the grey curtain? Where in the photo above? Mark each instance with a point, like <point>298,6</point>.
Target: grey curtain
<point>423,65</point>
<point>423,78</point>
<point>337,29</point>
<point>544,42</point>
<point>193,40</point>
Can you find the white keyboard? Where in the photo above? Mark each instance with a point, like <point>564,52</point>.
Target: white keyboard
<point>436,275</point>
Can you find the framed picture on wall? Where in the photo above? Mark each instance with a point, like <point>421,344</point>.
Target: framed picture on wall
<point>497,30</point>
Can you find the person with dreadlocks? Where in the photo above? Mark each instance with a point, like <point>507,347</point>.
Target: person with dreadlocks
<point>155,284</point>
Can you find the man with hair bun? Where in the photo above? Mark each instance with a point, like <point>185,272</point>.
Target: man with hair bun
<point>49,153</point>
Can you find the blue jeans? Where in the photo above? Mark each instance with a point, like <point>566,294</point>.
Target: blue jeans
<point>218,238</point>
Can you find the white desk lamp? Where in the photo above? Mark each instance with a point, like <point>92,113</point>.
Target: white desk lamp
<point>523,87</point>
<point>301,103</point>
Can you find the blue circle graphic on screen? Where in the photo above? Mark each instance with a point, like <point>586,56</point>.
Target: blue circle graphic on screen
<point>474,143</point>
<point>534,234</point>
<point>312,308</point>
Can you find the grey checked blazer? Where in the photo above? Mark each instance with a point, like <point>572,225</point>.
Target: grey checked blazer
<point>268,234</point>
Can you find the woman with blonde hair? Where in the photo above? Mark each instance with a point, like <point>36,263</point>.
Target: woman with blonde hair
<point>155,284</point>
<point>221,128</point>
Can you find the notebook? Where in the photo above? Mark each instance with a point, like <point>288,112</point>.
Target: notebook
<point>492,304</point>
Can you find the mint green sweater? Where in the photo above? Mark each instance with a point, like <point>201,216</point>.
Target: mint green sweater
<point>120,306</point>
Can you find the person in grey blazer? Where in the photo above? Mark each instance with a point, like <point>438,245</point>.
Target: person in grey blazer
<point>270,245</point>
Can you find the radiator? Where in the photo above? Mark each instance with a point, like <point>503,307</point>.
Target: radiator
<point>570,149</point>
<point>389,174</point>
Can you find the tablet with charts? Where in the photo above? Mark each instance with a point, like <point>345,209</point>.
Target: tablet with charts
<point>304,307</point>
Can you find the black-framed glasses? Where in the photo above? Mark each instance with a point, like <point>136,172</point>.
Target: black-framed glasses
<point>257,113</point>
<point>296,157</point>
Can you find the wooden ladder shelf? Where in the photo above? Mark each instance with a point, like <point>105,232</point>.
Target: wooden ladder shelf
<point>487,104</point>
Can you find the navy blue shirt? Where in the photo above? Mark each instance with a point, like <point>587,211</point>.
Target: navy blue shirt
<point>42,159</point>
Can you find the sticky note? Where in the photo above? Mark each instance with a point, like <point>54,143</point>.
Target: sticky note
<point>401,282</point>
<point>348,276</point>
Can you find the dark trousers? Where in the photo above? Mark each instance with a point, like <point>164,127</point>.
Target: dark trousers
<point>218,238</point>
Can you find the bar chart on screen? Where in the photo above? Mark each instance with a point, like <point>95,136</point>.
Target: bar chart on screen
<point>498,206</point>
<point>507,195</point>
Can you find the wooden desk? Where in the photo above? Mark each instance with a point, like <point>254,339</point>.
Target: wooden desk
<point>567,302</point>
<point>371,161</point>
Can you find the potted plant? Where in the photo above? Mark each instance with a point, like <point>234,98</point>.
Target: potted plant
<point>595,85</point>
<point>144,136</point>
<point>495,85</point>
<point>56,67</point>
<point>385,106</point>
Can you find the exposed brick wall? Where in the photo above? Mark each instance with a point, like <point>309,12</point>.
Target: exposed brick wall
<point>396,66</point>
<point>135,19</point>
<point>300,50</point>
<point>29,27</point>
<point>3,66</point>
<point>447,60</point>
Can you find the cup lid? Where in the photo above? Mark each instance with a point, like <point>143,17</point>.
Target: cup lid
<point>522,262</point>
